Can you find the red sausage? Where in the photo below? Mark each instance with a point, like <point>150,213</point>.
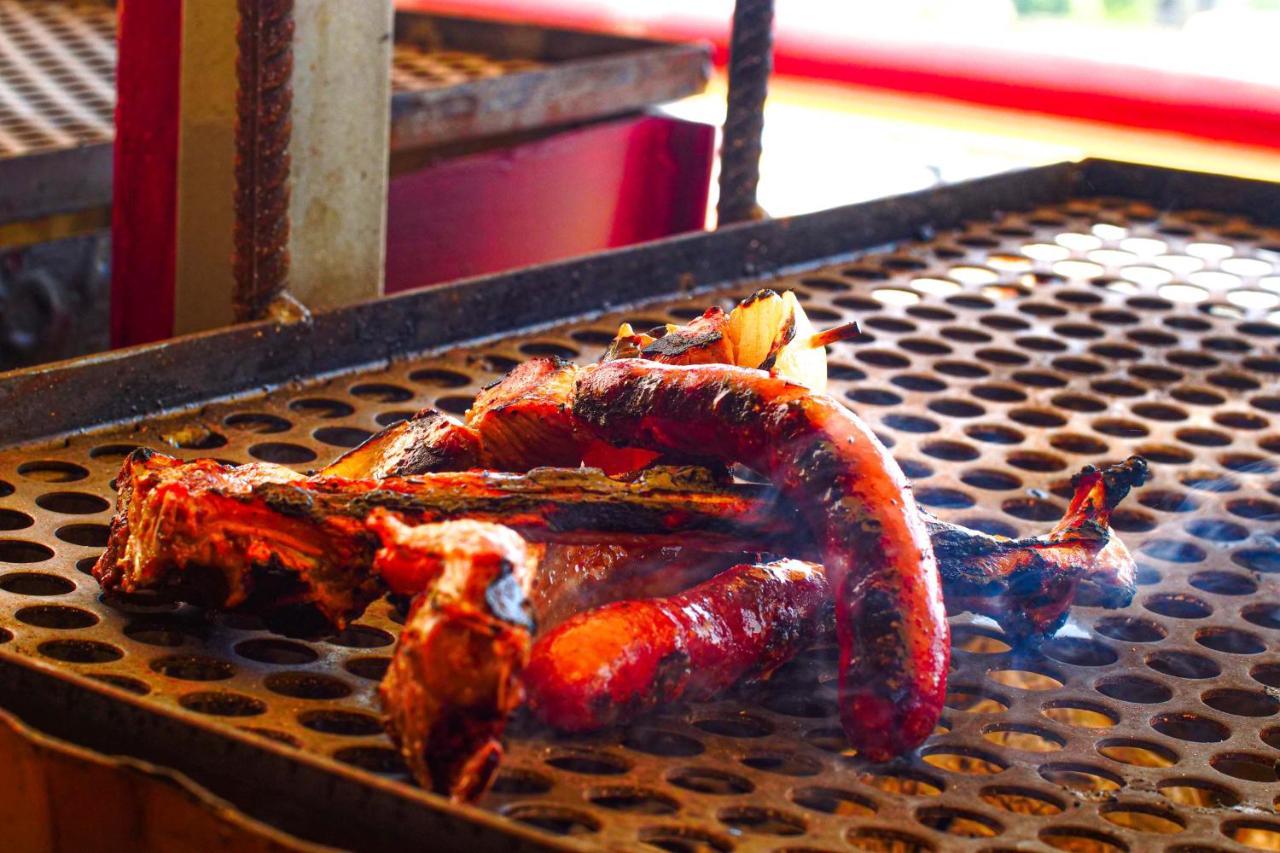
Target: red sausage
<point>611,664</point>
<point>891,626</point>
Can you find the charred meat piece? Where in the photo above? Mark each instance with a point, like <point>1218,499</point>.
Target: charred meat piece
<point>890,623</point>
<point>1029,585</point>
<point>576,578</point>
<point>455,675</point>
<point>428,441</point>
<point>609,665</point>
<point>526,421</point>
<point>263,538</point>
<point>194,527</point>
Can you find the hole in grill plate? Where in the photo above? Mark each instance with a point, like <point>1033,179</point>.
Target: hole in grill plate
<point>886,841</point>
<point>345,723</point>
<point>270,650</point>
<point>257,422</point>
<point>372,669</point>
<point>71,503</point>
<point>1137,753</point>
<point>376,759</point>
<point>1183,665</point>
<point>1265,615</point>
<point>52,471</point>
<point>1025,679</point>
<point>762,821</point>
<point>282,453</point>
<point>222,704</point>
<point>1241,703</point>
<point>1081,777</point>
<point>784,764</point>
<point>1265,560</point>
<point>86,535</point>
<point>1132,688</point>
<point>35,583</point>
<point>833,801</point>
<point>1023,737</point>
<point>909,783</point>
<point>1257,834</point>
<point>659,742</point>
<point>307,685</point>
<point>739,725</point>
<point>1142,818</point>
<point>1080,651</point>
<point>1133,629</point>
<point>1197,793</point>
<point>705,780</point>
<point>1021,801</point>
<point>960,759</point>
<point>362,637</point>
<point>193,668</point>
<point>80,651</point>
<point>342,436</point>
<point>1230,641</point>
<point>21,551</point>
<point>1249,766</point>
<point>1186,725</point>
<point>56,617</point>
<point>633,801</point>
<point>1086,715</point>
<point>322,408</point>
<point>959,822</point>
<point>679,839</point>
<point>589,762</point>
<point>1179,606</point>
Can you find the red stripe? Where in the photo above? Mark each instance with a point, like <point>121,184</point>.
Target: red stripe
<point>144,206</point>
<point>1192,104</point>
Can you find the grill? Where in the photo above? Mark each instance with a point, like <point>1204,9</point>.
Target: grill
<point>1016,328</point>
<point>453,81</point>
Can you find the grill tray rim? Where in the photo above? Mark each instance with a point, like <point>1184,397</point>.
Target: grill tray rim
<point>71,396</point>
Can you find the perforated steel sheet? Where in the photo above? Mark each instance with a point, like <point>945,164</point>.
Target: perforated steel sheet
<point>57,73</point>
<point>998,359</point>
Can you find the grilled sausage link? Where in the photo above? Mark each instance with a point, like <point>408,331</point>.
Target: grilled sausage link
<point>608,665</point>
<point>890,623</point>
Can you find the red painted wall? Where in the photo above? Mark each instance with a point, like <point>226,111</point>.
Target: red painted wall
<point>575,192</point>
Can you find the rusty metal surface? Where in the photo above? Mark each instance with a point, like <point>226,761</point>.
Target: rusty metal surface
<point>453,81</point>
<point>1001,355</point>
<point>264,123</point>
<point>750,66</point>
<point>45,784</point>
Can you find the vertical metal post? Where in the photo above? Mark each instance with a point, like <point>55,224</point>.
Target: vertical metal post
<point>750,64</point>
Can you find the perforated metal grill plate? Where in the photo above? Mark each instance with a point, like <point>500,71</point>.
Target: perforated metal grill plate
<point>997,361</point>
<point>57,73</point>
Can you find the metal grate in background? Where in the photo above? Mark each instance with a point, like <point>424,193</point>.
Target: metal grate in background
<point>998,359</point>
<point>57,73</point>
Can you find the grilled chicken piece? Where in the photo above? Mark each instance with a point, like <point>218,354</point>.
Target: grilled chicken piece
<point>607,666</point>
<point>454,678</point>
<point>1029,585</point>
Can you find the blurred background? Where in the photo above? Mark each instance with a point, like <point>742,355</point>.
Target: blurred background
<point>876,97</point>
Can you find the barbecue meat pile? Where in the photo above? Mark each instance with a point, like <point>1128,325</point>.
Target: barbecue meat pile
<point>595,596</point>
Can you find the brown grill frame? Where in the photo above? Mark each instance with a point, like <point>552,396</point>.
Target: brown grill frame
<point>845,255</point>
